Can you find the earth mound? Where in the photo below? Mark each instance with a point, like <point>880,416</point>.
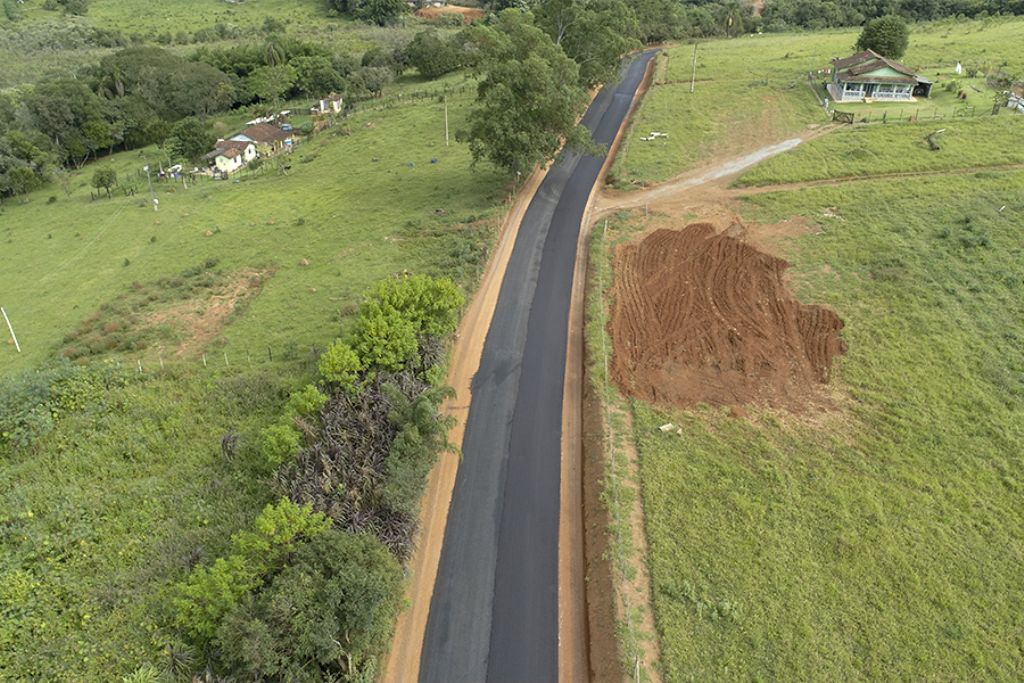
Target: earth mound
<point>700,316</point>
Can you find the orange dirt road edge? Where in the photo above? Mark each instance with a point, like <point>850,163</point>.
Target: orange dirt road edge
<point>402,664</point>
<point>573,639</point>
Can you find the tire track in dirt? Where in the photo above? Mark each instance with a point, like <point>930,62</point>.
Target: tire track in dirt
<point>700,316</point>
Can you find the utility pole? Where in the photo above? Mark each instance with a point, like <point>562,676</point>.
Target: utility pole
<point>693,76</point>
<point>152,195</point>
<point>446,120</point>
<point>9,327</point>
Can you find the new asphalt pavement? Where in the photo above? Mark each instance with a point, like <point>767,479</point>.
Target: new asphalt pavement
<point>494,611</point>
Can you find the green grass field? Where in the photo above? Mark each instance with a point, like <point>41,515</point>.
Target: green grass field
<point>753,90</point>
<point>99,517</point>
<point>897,148</point>
<point>882,539</point>
<point>45,43</point>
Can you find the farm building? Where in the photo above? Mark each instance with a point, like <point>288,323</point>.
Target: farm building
<point>231,155</point>
<point>268,139</point>
<point>868,76</point>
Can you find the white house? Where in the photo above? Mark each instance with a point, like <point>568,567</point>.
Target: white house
<point>869,76</point>
<point>231,155</point>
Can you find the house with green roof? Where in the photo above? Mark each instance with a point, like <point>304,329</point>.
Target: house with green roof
<point>868,76</point>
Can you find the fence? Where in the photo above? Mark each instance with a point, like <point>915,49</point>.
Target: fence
<point>911,116</point>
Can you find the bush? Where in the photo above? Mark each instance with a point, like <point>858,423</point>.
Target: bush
<point>211,592</point>
<point>384,338</point>
<point>327,616</point>
<point>307,402</point>
<point>341,365</point>
<point>279,442</point>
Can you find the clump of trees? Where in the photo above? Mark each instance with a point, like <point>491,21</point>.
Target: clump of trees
<point>311,591</point>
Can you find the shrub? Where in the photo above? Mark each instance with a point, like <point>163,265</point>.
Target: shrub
<point>328,616</point>
<point>280,441</point>
<point>307,402</point>
<point>211,592</point>
<point>341,365</point>
<point>384,338</point>
<point>431,304</point>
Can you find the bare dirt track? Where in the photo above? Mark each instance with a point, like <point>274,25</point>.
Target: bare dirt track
<point>468,14</point>
<point>704,317</point>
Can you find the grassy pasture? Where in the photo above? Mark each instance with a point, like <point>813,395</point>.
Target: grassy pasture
<point>101,515</point>
<point>356,206</point>
<point>882,539</point>
<point>44,43</point>
<point>753,89</point>
<point>897,148</point>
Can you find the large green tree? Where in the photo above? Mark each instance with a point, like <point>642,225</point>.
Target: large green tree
<point>594,33</point>
<point>190,139</point>
<point>888,36</point>
<point>530,97</point>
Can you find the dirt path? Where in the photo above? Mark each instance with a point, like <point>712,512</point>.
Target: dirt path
<point>403,660</point>
<point>717,172</point>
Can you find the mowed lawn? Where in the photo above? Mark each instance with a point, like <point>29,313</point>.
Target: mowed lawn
<point>883,539</point>
<point>134,486</point>
<point>753,91</point>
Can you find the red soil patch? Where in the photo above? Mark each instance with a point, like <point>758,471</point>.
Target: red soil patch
<point>700,316</point>
<point>469,14</point>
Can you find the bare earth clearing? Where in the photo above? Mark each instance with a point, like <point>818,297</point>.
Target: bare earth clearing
<point>701,316</point>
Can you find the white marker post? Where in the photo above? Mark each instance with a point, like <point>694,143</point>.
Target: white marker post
<point>11,328</point>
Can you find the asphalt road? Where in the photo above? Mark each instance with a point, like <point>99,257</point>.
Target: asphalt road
<point>494,612</point>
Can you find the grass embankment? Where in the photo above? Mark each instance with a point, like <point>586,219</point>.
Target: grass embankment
<point>620,478</point>
<point>876,150</point>
<point>753,91</point>
<point>882,538</point>
<point>110,508</point>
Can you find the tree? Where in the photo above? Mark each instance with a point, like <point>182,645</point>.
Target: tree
<point>888,36</point>
<point>340,365</point>
<point>529,100</point>
<point>327,616</point>
<point>316,76</point>
<point>594,33</point>
<point>104,179</point>
<point>272,83</point>
<point>432,55</point>
<point>211,592</point>
<point>189,139</point>
<point>431,304</point>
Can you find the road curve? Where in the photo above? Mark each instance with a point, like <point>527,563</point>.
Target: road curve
<point>494,611</point>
